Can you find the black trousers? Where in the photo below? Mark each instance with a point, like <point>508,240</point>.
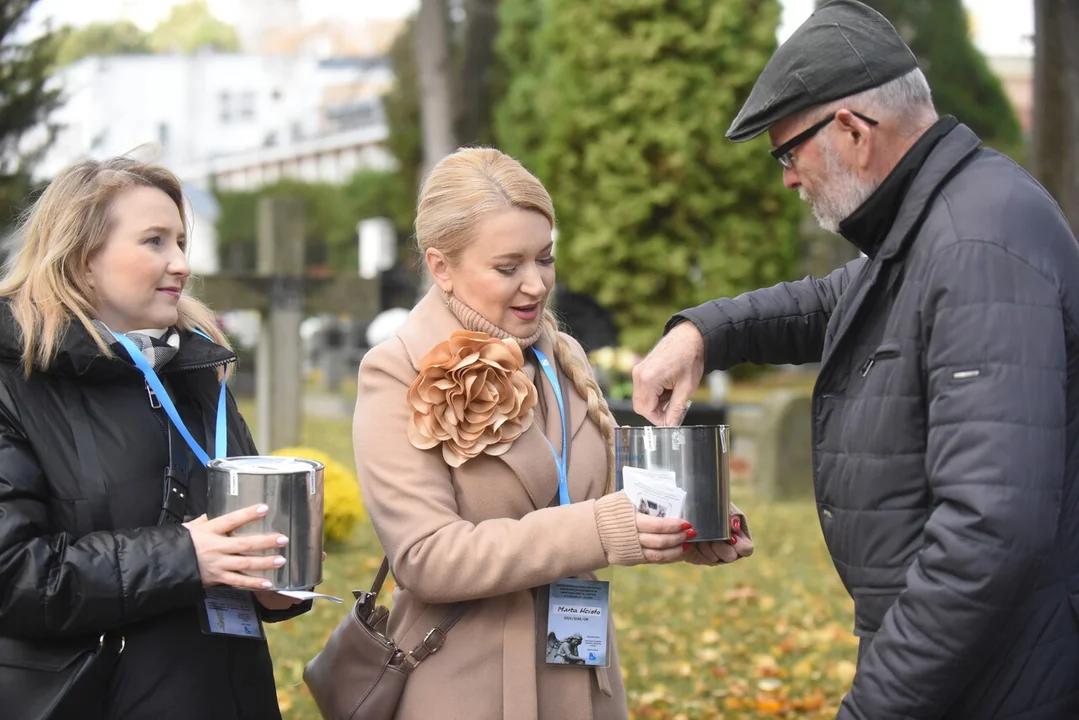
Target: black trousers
<point>170,669</point>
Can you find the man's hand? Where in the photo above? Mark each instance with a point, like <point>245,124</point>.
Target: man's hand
<point>664,381</point>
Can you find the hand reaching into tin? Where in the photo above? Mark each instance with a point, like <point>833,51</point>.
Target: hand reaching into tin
<point>664,381</point>
<point>224,559</point>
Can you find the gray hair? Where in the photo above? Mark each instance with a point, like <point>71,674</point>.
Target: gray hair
<point>906,100</point>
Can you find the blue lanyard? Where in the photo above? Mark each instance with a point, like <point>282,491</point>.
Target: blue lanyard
<point>221,434</point>
<point>560,460</point>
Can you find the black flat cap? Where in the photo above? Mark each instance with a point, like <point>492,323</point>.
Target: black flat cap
<point>843,48</point>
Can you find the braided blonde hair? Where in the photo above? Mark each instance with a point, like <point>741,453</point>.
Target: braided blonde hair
<point>580,374</point>
<point>459,191</point>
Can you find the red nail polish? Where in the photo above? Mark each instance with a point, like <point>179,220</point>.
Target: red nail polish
<point>691,534</point>
<point>737,524</point>
<point>733,540</point>
<point>685,547</point>
<point>686,526</point>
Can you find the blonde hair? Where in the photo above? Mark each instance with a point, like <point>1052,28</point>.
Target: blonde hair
<point>455,195</point>
<point>45,279</point>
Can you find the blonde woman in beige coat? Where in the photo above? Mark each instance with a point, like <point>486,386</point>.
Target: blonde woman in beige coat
<point>454,433</point>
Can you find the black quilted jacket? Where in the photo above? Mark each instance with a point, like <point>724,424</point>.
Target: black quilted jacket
<point>82,460</point>
<point>945,439</point>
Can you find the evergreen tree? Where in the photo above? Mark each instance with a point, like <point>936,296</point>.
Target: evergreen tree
<point>620,107</point>
<point>522,88</point>
<point>25,103</point>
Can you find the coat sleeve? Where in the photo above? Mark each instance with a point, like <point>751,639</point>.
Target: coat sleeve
<point>54,584</point>
<point>780,325</point>
<point>996,366</point>
<point>435,553</point>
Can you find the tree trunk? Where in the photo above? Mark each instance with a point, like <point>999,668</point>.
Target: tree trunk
<point>435,81</point>
<point>1055,146</point>
<point>477,72</point>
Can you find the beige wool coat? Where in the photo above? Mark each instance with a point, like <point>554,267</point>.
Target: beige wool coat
<point>491,532</point>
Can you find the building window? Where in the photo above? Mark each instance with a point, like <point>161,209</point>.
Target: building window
<point>247,106</point>
<point>163,133</point>
<point>224,101</point>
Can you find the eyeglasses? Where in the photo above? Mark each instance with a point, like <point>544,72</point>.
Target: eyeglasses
<point>783,152</point>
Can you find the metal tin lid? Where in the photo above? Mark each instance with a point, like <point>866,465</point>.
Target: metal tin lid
<point>265,465</point>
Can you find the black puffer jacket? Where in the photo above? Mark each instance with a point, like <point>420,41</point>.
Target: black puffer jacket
<point>82,459</point>
<point>945,437</point>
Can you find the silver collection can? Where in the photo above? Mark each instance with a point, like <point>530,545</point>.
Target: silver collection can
<point>698,457</point>
<point>292,488</point>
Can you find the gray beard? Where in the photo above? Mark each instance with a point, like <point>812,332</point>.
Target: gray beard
<point>840,192</point>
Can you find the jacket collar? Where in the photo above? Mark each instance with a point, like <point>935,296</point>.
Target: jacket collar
<point>530,457</point>
<point>945,160</point>
<point>78,355</point>
<point>867,227</point>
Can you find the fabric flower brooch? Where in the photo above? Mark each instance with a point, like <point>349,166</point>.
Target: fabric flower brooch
<point>471,396</point>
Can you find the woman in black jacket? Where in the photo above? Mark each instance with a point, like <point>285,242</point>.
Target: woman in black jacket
<point>92,555</point>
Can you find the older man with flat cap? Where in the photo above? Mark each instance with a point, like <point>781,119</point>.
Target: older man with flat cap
<point>946,410</point>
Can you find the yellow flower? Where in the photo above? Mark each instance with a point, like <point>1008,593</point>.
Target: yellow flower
<point>342,505</point>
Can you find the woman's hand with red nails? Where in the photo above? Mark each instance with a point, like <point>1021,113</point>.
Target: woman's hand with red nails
<point>721,552</point>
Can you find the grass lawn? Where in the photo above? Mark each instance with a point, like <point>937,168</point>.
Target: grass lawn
<point>767,637</point>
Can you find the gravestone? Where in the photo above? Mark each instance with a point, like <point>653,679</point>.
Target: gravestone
<point>783,438</point>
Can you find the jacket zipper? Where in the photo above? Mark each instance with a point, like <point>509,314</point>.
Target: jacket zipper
<point>885,351</point>
<point>155,402</point>
<point>205,366</point>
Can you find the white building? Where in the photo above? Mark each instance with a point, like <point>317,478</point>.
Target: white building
<point>238,121</point>
<point>193,106</point>
<point>330,158</point>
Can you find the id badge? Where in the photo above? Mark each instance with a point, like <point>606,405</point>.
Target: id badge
<point>230,612</point>
<point>577,617</point>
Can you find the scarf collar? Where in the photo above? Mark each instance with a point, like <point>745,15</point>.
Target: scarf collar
<point>474,322</point>
<point>158,345</point>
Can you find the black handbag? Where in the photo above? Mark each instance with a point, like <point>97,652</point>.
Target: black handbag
<point>57,679</point>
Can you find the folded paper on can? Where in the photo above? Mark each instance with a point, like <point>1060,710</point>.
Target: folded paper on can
<point>654,492</point>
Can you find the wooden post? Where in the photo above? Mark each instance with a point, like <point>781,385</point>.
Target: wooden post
<point>278,367</point>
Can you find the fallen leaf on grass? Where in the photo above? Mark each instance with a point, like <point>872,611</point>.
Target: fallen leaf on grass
<point>743,592</point>
<point>843,671</point>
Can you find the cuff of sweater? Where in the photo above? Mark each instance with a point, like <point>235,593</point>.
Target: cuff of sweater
<point>616,520</point>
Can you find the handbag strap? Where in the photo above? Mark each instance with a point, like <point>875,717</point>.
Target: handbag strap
<point>174,495</point>
<point>434,638</point>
